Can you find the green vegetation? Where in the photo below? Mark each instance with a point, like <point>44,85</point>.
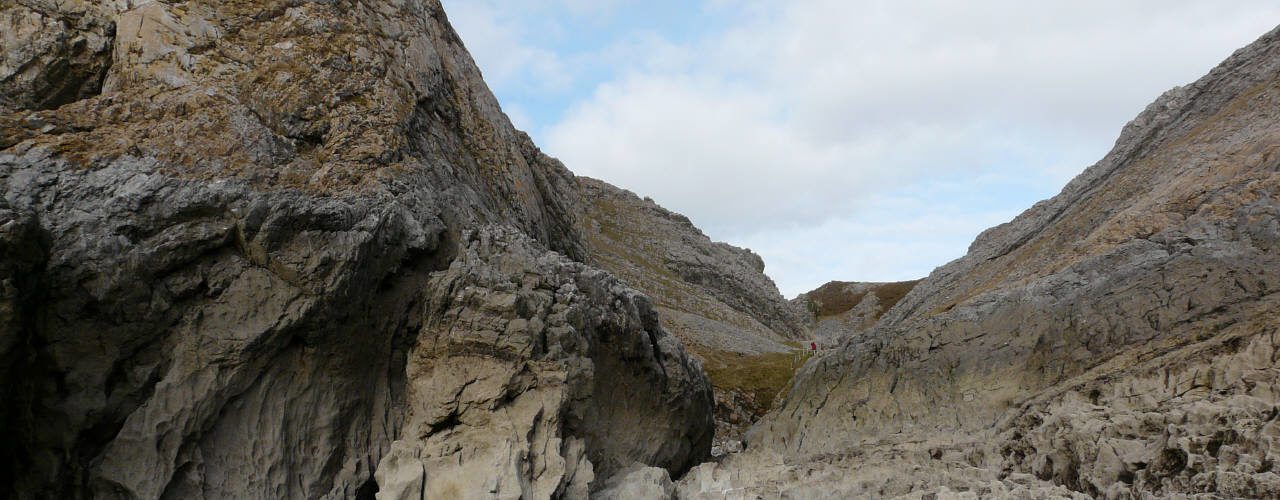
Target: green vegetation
<point>762,377</point>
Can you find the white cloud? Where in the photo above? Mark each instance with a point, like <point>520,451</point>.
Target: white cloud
<point>899,248</point>
<point>498,35</point>
<point>800,129</point>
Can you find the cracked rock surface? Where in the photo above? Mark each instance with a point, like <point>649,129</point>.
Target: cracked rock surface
<point>294,249</point>
<point>53,53</point>
<point>1117,340</point>
<point>522,343</point>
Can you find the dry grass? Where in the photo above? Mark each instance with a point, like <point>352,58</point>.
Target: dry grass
<point>763,376</point>
<point>834,298</point>
<point>892,293</point>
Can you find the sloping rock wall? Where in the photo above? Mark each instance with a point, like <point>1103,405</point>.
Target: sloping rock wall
<point>227,268</point>
<point>713,296</point>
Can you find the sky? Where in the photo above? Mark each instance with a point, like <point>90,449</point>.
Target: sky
<point>842,139</point>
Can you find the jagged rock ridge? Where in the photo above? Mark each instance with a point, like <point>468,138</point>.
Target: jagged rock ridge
<point>1118,340</point>
<point>289,249</point>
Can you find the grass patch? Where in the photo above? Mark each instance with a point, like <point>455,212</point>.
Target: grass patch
<point>892,293</point>
<point>763,377</point>
<point>836,298</point>
<point>832,299</point>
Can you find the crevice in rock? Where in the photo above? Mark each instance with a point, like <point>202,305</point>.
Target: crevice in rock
<point>70,83</point>
<point>368,490</point>
<point>27,361</point>
<point>453,419</point>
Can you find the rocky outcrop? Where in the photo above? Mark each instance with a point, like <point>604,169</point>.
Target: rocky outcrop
<point>841,309</point>
<point>650,483</point>
<point>870,472</point>
<point>534,374</point>
<point>713,296</point>
<point>203,337</point>
<point>295,250</point>
<point>53,52</point>
<point>1116,340</point>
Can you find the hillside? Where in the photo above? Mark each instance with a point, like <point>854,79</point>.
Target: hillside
<point>713,296</point>
<point>1117,340</point>
<point>840,309</point>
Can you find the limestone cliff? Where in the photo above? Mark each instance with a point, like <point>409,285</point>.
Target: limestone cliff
<point>713,296</point>
<point>1118,340</point>
<point>294,249</point>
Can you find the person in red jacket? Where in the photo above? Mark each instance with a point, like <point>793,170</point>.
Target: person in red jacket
<point>813,346</point>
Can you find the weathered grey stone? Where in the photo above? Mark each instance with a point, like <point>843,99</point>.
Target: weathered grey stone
<point>195,336</point>
<point>873,472</point>
<point>233,272</point>
<point>533,375</point>
<point>640,483</point>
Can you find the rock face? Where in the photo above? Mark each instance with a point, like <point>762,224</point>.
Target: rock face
<point>1119,339</point>
<point>294,249</point>
<point>713,296</point>
<point>523,343</point>
<point>841,309</point>
<point>53,54</point>
<point>649,483</point>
